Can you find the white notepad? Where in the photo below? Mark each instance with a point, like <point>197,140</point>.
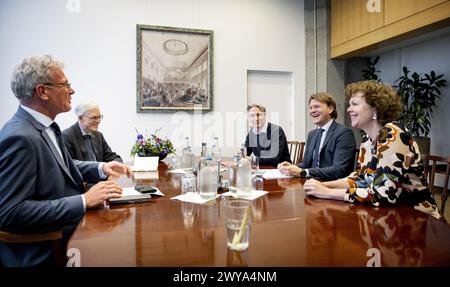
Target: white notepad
<point>274,174</point>
<point>130,195</point>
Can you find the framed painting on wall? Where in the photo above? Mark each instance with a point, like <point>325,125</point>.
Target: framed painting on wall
<point>174,69</point>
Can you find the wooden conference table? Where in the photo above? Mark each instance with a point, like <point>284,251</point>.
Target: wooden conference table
<point>288,229</point>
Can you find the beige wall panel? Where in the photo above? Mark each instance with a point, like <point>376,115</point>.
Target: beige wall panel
<point>395,10</point>
<point>421,22</point>
<point>350,19</point>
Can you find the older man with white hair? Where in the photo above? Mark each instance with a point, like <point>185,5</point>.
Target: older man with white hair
<point>84,141</point>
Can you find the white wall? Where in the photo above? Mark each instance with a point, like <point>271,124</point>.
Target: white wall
<point>422,58</point>
<point>273,90</point>
<point>98,47</point>
<point>428,55</point>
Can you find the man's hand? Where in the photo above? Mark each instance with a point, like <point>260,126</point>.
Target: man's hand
<point>115,168</point>
<point>289,169</point>
<point>284,163</point>
<point>102,191</point>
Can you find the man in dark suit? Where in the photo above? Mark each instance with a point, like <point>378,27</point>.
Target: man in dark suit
<point>41,188</point>
<point>265,140</point>
<point>330,148</point>
<point>84,141</point>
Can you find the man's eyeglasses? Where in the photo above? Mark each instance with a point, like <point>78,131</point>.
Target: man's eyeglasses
<point>95,118</point>
<point>66,85</point>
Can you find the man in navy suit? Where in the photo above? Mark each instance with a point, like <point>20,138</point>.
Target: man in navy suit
<point>84,141</point>
<point>41,187</point>
<point>330,148</point>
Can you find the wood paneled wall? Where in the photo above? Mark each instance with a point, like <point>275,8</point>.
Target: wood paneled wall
<point>350,19</point>
<point>355,30</point>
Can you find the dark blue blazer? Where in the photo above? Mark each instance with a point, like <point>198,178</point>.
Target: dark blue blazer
<point>73,138</point>
<point>337,156</point>
<point>271,147</point>
<point>38,192</point>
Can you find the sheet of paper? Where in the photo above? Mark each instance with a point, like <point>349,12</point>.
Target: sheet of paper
<point>178,171</point>
<point>145,163</point>
<point>183,170</point>
<point>192,197</point>
<point>274,174</point>
<point>253,195</point>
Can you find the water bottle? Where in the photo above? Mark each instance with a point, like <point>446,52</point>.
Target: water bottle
<point>215,150</point>
<point>232,173</point>
<point>204,150</point>
<point>244,178</point>
<point>187,155</point>
<point>208,181</point>
<point>243,151</point>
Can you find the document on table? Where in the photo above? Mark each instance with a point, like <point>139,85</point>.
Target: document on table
<point>193,197</point>
<point>130,195</point>
<point>184,170</point>
<point>274,174</point>
<point>253,195</point>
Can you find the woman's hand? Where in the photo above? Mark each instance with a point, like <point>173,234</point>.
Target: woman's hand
<point>316,188</point>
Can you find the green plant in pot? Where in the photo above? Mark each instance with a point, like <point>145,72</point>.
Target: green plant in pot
<point>371,72</point>
<point>419,93</point>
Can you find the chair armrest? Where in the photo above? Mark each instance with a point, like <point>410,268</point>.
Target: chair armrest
<point>7,237</point>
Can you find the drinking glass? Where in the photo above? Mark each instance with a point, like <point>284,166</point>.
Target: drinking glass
<point>188,183</point>
<point>257,181</point>
<point>255,162</point>
<point>238,215</point>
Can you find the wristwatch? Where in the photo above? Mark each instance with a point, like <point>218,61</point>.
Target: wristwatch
<point>303,172</point>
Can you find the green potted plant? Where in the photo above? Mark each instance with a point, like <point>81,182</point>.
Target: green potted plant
<point>371,72</point>
<point>419,94</point>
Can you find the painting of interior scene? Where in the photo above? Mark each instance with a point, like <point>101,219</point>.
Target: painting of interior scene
<point>175,69</point>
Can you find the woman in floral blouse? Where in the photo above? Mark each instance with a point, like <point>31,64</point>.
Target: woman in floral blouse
<point>389,169</point>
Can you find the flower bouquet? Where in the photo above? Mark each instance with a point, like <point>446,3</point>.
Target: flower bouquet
<point>152,145</point>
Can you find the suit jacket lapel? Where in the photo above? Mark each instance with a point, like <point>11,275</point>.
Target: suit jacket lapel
<point>309,152</point>
<point>38,126</point>
<point>329,134</point>
<point>80,141</point>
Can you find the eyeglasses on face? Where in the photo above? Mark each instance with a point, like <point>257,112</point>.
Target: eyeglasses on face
<point>95,118</point>
<point>66,85</point>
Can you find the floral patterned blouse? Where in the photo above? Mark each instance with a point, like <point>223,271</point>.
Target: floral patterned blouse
<point>389,172</point>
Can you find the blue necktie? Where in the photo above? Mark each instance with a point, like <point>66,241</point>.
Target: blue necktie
<point>90,148</point>
<point>317,147</point>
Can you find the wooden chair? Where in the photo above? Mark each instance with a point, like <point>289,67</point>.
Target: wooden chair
<point>54,236</point>
<point>296,151</point>
<point>437,164</point>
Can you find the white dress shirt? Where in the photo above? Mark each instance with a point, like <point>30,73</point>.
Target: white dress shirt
<point>325,127</point>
